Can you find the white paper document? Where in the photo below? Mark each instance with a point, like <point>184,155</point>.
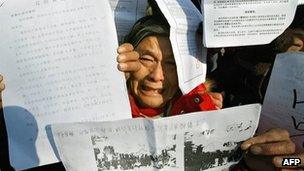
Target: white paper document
<point>250,22</point>
<point>184,20</point>
<point>58,61</point>
<point>198,141</point>
<point>126,13</point>
<point>284,100</point>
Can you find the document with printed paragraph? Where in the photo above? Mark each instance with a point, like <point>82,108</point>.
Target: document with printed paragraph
<point>242,23</point>
<point>58,59</point>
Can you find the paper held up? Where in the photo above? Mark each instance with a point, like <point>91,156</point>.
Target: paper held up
<point>242,23</point>
<point>284,100</point>
<point>184,20</point>
<point>58,61</point>
<point>199,141</point>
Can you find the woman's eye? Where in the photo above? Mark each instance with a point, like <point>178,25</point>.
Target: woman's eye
<point>146,59</point>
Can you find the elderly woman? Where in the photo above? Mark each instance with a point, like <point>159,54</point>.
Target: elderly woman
<point>148,59</point>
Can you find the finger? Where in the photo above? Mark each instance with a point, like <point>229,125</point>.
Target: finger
<point>128,56</point>
<point>278,161</point>
<point>273,135</point>
<point>216,95</point>
<point>129,66</point>
<point>126,47</point>
<point>277,148</point>
<point>218,104</point>
<point>2,86</point>
<point>1,78</point>
<point>217,100</point>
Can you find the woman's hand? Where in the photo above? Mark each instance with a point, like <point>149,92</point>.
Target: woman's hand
<point>217,99</point>
<point>128,59</point>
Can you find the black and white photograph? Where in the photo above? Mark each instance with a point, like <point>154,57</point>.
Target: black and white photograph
<point>111,154</point>
<point>201,155</point>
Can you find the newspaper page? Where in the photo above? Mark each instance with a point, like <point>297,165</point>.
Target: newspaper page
<point>207,140</point>
<point>126,13</point>
<point>58,61</point>
<point>184,19</point>
<point>240,23</point>
<point>284,101</point>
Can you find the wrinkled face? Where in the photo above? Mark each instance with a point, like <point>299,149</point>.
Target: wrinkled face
<point>156,82</point>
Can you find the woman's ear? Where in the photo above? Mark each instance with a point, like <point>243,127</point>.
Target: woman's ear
<point>297,45</point>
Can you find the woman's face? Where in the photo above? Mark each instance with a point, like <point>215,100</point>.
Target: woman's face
<point>156,82</point>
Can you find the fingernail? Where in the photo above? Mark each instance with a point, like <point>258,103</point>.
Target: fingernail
<point>121,57</point>
<point>119,49</point>
<point>256,150</point>
<point>122,66</point>
<point>245,146</point>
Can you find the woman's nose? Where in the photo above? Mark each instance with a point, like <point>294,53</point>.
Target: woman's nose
<point>157,73</point>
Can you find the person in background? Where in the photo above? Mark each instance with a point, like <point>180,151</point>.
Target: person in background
<point>275,145</point>
<point>243,73</point>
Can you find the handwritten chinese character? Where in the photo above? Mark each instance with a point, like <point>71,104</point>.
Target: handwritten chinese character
<point>295,98</point>
<point>298,125</point>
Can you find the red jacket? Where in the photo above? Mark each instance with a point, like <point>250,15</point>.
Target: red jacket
<point>191,102</point>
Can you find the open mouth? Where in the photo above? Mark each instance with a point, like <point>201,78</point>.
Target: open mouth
<point>149,90</point>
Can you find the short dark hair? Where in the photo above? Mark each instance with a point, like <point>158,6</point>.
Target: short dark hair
<point>153,25</point>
